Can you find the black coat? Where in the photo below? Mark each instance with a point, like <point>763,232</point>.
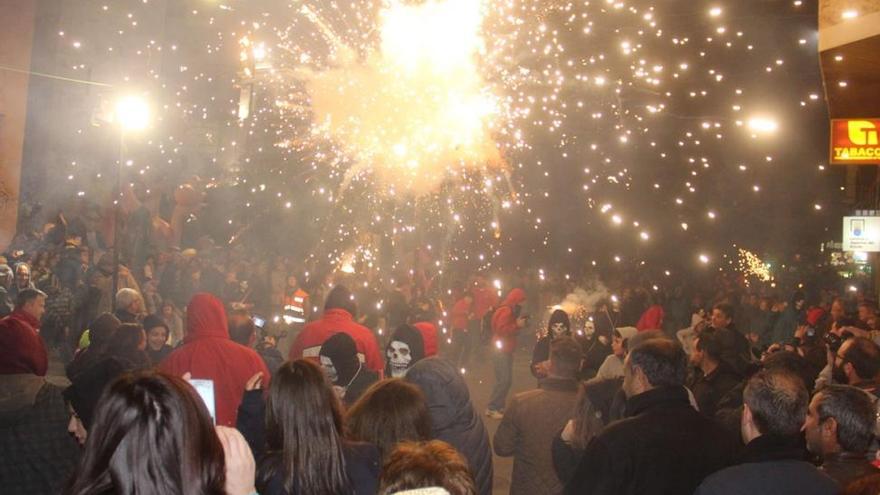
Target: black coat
<point>364,379</point>
<point>771,465</point>
<point>361,465</point>
<point>361,459</point>
<point>663,447</point>
<point>453,418</point>
<point>735,349</point>
<point>709,389</point>
<point>37,455</point>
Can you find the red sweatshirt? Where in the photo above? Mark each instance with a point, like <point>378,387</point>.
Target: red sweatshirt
<point>22,350</point>
<point>208,353</point>
<point>308,343</point>
<point>484,300</point>
<point>504,328</point>
<point>429,337</point>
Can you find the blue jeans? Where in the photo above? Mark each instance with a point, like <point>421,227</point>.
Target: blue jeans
<point>503,364</point>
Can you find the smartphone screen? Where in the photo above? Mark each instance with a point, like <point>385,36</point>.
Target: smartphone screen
<point>205,389</point>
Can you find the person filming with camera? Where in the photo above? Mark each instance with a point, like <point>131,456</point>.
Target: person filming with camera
<point>853,359</point>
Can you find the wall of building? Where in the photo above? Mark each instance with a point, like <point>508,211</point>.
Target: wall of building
<point>16,34</point>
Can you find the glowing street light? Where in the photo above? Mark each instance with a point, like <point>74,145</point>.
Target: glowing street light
<point>132,113</point>
<point>763,125</point>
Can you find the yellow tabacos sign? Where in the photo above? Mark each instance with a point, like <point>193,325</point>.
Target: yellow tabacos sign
<point>855,141</point>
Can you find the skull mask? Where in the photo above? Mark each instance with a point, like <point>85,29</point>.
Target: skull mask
<point>400,357</point>
<point>327,364</point>
<point>556,329</point>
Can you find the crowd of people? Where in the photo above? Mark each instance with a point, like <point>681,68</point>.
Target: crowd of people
<point>209,371</point>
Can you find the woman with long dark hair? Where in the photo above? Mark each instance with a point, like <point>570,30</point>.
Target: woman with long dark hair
<point>152,435</point>
<point>390,412</point>
<point>307,453</point>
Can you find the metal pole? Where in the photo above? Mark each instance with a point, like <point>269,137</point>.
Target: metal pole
<point>116,219</point>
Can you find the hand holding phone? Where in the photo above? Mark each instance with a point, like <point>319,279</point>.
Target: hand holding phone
<point>205,389</point>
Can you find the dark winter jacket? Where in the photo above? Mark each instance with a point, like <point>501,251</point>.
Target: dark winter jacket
<point>37,455</point>
<point>530,423</point>
<point>361,465</point>
<point>663,447</point>
<point>846,467</point>
<point>709,389</point>
<point>735,349</point>
<point>771,465</point>
<point>453,418</point>
<point>361,383</point>
<point>361,459</point>
<point>600,395</point>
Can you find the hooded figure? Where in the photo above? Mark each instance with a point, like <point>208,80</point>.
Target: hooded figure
<point>405,349</point>
<point>208,353</point>
<point>652,319</point>
<point>612,367</point>
<point>349,376</point>
<point>339,314</point>
<point>504,327</point>
<point>558,326</point>
<point>453,418</point>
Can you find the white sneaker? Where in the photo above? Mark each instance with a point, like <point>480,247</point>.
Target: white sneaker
<point>494,414</point>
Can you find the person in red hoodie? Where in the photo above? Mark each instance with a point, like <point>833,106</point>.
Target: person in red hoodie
<point>485,299</point>
<point>22,349</point>
<point>339,313</point>
<point>506,325</point>
<point>209,354</point>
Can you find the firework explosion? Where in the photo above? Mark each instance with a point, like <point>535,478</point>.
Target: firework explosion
<point>472,128</point>
<point>752,266</point>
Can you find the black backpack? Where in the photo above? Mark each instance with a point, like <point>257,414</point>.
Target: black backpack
<point>486,325</point>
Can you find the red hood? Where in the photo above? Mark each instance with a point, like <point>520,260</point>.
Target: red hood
<point>814,315</point>
<point>652,318</point>
<point>205,318</point>
<point>514,297</point>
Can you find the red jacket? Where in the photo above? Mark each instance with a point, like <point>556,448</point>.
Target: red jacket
<point>484,300</point>
<point>308,343</point>
<point>504,328</point>
<point>22,350</point>
<point>461,311</point>
<point>208,353</point>
<point>429,337</point>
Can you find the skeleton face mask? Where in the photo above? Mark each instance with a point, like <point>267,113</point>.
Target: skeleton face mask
<point>556,329</point>
<point>327,364</point>
<point>399,356</point>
